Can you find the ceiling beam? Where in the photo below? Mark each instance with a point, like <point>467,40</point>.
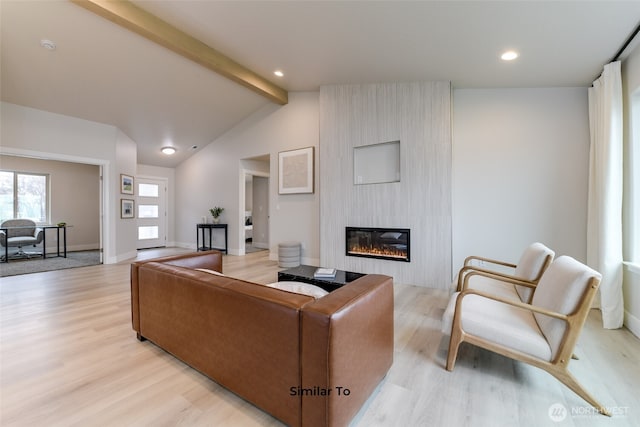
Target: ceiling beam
<point>128,15</point>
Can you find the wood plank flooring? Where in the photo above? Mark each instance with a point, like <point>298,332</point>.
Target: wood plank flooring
<point>68,357</point>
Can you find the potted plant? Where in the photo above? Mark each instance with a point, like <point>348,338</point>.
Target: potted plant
<point>215,213</point>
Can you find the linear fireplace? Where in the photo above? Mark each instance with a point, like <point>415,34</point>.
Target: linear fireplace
<point>382,243</point>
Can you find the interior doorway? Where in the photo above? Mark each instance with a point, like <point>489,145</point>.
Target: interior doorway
<point>254,204</point>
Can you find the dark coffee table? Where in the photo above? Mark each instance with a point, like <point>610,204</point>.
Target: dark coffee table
<point>304,273</point>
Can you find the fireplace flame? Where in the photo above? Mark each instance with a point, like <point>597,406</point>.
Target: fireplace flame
<point>378,251</point>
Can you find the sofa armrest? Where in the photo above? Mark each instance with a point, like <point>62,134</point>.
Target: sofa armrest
<point>346,349</point>
<point>211,260</point>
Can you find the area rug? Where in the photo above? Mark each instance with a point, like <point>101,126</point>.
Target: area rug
<point>37,265</point>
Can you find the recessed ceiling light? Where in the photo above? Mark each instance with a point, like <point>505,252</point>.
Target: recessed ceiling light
<point>48,44</point>
<point>509,55</point>
<point>168,150</point>
<point>278,73</point>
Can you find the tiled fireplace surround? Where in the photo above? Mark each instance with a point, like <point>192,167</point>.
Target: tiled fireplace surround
<point>417,115</point>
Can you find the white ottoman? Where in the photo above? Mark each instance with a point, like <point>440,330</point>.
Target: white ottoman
<point>289,254</point>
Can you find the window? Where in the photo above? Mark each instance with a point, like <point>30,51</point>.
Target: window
<point>24,195</point>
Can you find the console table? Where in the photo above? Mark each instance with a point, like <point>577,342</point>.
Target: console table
<point>200,235</point>
<point>304,273</point>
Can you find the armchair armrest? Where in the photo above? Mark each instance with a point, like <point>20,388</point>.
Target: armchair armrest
<point>468,271</point>
<point>514,303</point>
<point>3,237</point>
<point>469,259</point>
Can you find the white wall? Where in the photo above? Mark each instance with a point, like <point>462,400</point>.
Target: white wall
<point>520,171</point>
<point>213,177</point>
<point>631,281</point>
<point>125,163</point>
<point>29,132</point>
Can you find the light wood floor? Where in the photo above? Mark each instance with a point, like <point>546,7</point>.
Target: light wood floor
<point>70,358</point>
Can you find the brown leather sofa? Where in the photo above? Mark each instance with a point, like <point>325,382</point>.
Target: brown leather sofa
<point>306,361</point>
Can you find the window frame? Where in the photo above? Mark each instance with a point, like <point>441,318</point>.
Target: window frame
<point>47,207</point>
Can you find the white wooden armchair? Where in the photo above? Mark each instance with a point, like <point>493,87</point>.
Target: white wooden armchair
<point>521,277</point>
<point>518,284</point>
<point>543,333</point>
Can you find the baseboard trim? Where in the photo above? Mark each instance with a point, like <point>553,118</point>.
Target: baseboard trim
<point>632,323</point>
<point>121,257</point>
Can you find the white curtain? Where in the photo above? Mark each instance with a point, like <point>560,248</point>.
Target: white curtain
<point>604,216</point>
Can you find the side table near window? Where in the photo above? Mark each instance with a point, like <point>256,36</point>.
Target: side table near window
<point>200,235</point>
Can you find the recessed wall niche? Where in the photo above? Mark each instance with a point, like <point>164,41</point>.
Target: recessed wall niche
<point>376,163</point>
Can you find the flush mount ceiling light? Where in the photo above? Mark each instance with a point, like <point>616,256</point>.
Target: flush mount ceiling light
<point>48,44</point>
<point>509,55</point>
<point>278,73</point>
<point>168,150</point>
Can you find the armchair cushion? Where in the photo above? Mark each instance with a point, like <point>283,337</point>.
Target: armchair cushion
<point>486,285</point>
<point>561,290</point>
<point>503,324</point>
<point>530,266</point>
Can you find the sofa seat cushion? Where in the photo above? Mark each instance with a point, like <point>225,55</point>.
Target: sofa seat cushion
<point>300,288</point>
<point>500,323</point>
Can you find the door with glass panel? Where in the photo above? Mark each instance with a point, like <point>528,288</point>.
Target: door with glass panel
<point>151,212</point>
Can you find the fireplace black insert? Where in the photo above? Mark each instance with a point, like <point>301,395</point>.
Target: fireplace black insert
<point>382,243</point>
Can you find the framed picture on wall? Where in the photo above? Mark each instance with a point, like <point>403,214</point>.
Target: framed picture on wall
<point>295,171</point>
<point>126,184</point>
<point>127,208</point>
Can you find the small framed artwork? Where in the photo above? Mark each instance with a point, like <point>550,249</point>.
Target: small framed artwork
<point>295,171</point>
<point>126,184</point>
<point>126,208</point>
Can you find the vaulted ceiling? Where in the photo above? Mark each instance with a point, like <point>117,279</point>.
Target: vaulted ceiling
<point>103,72</point>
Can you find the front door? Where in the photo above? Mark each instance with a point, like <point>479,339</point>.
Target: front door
<point>151,212</point>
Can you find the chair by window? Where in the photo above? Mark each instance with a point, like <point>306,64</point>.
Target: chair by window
<point>543,333</point>
<point>20,233</point>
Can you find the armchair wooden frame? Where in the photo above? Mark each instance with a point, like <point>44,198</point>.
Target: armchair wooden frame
<point>558,367</point>
<point>469,268</point>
